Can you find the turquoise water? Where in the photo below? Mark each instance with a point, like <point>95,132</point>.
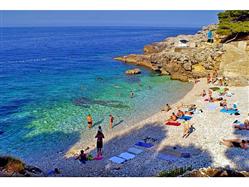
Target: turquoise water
<point>51,78</point>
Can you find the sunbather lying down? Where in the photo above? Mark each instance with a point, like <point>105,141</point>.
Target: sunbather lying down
<point>244,126</point>
<point>212,99</point>
<point>173,117</point>
<point>166,108</point>
<point>243,144</point>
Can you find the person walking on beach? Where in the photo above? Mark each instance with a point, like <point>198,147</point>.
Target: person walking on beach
<point>209,78</point>
<point>100,136</point>
<point>111,120</point>
<point>89,121</point>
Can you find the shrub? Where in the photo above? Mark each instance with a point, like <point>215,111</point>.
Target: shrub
<point>233,23</point>
<point>175,172</point>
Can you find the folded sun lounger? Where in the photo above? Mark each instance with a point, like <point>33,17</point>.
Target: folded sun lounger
<point>117,160</point>
<point>135,150</point>
<point>126,156</point>
<point>143,144</point>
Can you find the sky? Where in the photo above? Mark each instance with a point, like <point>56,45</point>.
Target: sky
<point>107,18</point>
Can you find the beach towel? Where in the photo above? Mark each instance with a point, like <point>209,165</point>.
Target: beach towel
<point>173,123</point>
<point>143,144</point>
<point>171,152</point>
<point>212,106</point>
<point>230,111</point>
<point>214,88</point>
<point>117,160</point>
<point>185,155</point>
<point>185,118</point>
<point>98,158</point>
<point>126,156</point>
<point>135,150</point>
<point>166,157</point>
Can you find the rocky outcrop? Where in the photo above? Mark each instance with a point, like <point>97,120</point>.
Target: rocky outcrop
<point>215,172</point>
<point>12,167</point>
<point>235,63</point>
<point>193,59</point>
<point>133,71</point>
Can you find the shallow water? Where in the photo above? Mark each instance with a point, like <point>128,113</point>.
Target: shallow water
<point>51,78</point>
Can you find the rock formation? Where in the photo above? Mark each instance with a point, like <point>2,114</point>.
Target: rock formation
<point>133,71</point>
<point>193,59</point>
<point>235,63</point>
<point>215,172</point>
<point>10,166</point>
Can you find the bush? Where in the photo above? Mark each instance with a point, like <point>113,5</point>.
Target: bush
<point>174,173</point>
<point>233,22</point>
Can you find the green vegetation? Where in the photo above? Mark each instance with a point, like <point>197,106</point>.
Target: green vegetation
<point>175,172</point>
<point>233,22</point>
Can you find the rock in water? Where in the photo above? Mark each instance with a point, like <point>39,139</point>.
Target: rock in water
<point>133,71</point>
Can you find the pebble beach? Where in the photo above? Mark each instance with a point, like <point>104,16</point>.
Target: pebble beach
<point>203,143</point>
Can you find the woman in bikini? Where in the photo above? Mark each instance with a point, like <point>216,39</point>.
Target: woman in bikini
<point>235,143</point>
<point>89,121</point>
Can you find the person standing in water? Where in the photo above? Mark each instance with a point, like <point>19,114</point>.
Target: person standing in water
<point>132,94</point>
<point>89,121</point>
<point>99,137</point>
<point>111,120</point>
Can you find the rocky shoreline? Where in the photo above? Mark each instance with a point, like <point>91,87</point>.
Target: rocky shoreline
<point>187,57</point>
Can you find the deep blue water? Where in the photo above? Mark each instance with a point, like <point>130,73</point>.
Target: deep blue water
<point>51,78</point>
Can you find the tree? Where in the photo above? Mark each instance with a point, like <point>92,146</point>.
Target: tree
<point>233,23</point>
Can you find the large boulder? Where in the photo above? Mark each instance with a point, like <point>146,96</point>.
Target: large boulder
<point>10,166</point>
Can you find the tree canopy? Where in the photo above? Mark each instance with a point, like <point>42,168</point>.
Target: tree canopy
<point>232,22</point>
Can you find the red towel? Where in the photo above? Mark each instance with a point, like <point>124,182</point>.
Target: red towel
<point>173,123</point>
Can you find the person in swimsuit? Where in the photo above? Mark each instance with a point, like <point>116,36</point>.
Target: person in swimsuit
<point>111,120</point>
<point>173,117</point>
<point>180,113</point>
<point>186,127</point>
<point>89,121</point>
<point>244,126</point>
<point>203,94</point>
<point>166,108</point>
<point>82,157</point>
<point>132,94</point>
<point>208,78</point>
<point>235,143</point>
<point>99,137</point>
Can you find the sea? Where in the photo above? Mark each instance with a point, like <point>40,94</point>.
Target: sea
<point>51,78</point>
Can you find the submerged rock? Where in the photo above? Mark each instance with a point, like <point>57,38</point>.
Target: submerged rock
<point>133,71</point>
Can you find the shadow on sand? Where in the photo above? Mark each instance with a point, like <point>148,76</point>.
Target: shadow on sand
<point>143,165</point>
<point>239,157</point>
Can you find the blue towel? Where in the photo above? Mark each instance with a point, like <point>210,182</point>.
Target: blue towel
<point>167,157</point>
<point>143,144</point>
<point>186,118</point>
<point>231,111</point>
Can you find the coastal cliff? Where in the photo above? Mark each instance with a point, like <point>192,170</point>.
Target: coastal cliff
<point>187,57</point>
<point>13,167</point>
